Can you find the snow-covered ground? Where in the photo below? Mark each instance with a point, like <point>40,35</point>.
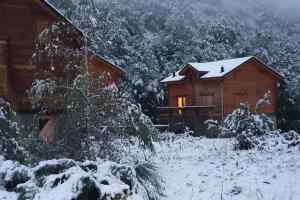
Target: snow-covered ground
<point>192,169</point>
<point>200,168</point>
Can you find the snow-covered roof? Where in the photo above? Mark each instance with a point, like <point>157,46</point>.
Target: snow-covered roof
<point>177,77</point>
<point>211,69</point>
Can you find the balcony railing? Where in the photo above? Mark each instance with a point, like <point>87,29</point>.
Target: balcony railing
<point>187,111</point>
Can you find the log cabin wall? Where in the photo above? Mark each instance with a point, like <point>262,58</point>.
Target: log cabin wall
<point>99,66</point>
<point>180,89</point>
<point>198,93</point>
<point>20,22</point>
<point>208,92</point>
<point>249,83</point>
<point>3,67</point>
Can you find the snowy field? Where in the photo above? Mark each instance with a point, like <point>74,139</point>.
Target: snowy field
<point>209,169</point>
<point>200,168</point>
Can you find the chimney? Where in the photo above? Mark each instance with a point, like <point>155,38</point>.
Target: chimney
<point>173,74</point>
<point>222,69</point>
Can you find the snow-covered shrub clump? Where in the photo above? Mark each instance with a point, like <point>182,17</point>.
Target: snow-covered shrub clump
<point>246,127</point>
<point>10,134</point>
<point>253,130</point>
<point>12,174</point>
<point>279,140</point>
<point>67,179</point>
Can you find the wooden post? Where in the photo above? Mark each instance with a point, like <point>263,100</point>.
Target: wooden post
<point>222,102</point>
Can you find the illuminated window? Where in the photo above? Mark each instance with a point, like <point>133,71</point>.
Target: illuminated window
<point>181,102</point>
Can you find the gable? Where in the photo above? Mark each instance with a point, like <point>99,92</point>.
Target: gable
<point>260,68</point>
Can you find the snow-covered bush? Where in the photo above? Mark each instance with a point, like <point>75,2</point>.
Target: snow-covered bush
<point>12,174</point>
<point>265,100</point>
<point>279,140</point>
<point>10,146</point>
<point>246,127</point>
<point>67,179</point>
<point>254,130</point>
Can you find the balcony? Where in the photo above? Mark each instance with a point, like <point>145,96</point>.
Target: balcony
<point>186,111</point>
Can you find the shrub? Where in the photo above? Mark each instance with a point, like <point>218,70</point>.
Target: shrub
<point>247,128</point>
<point>89,180</point>
<point>10,146</point>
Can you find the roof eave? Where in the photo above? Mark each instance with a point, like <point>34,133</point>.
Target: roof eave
<point>55,13</point>
<point>279,76</point>
<point>122,71</point>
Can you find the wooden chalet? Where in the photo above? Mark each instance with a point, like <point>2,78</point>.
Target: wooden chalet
<point>21,21</point>
<point>201,91</point>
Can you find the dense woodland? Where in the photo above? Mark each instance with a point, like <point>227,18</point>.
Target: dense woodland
<point>150,39</point>
<point>107,148</point>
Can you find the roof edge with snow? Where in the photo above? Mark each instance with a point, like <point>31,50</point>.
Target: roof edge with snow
<point>214,69</point>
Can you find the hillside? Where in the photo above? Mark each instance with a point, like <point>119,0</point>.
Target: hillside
<point>151,39</point>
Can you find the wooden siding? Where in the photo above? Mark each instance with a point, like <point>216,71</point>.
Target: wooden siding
<point>249,83</point>
<point>21,21</point>
<point>99,66</point>
<point>197,93</point>
<point>3,68</point>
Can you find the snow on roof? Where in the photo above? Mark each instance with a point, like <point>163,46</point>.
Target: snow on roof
<point>177,77</point>
<point>212,69</point>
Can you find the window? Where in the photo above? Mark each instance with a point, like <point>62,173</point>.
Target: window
<point>181,102</point>
<point>42,121</point>
<point>46,128</point>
